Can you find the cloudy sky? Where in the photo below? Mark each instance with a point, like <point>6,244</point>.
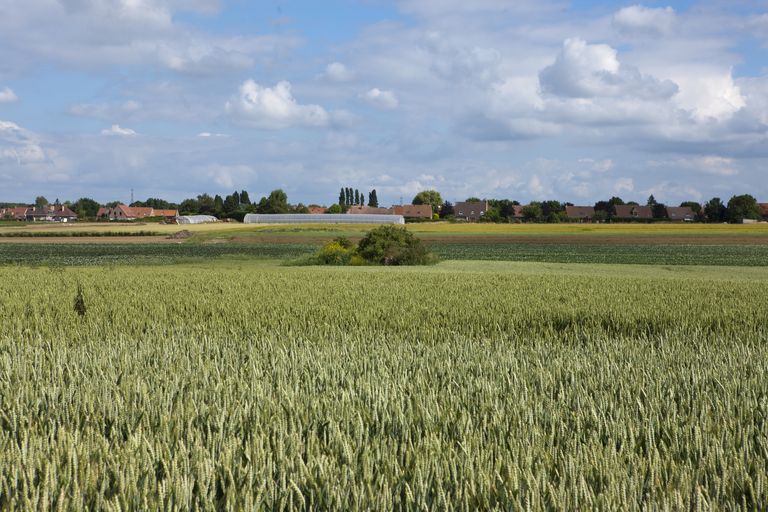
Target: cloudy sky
<point>523,99</point>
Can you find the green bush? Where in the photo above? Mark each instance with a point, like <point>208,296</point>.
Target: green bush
<point>390,245</point>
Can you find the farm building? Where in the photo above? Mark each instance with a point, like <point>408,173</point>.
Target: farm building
<point>195,219</point>
<point>317,210</point>
<point>580,213</point>
<point>681,213</point>
<point>124,212</point>
<point>630,211</point>
<point>16,213</point>
<point>51,213</point>
<point>368,210</point>
<point>763,209</point>
<point>331,218</point>
<point>470,210</point>
<point>412,211</point>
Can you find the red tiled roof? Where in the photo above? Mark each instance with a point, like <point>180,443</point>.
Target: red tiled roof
<point>680,213</point>
<point>580,212</point>
<point>367,210</point>
<point>317,210</point>
<point>629,211</point>
<point>165,213</point>
<point>423,211</point>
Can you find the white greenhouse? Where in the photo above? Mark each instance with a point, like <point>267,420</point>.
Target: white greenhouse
<point>324,218</point>
<point>195,219</point>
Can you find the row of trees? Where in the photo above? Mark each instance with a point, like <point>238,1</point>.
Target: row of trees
<point>238,204</point>
<point>353,197</point>
<point>737,209</point>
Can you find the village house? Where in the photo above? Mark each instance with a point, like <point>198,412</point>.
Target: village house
<point>630,211</point>
<point>413,211</point>
<point>124,212</point>
<point>681,213</point>
<point>16,213</point>
<point>763,210</point>
<point>317,210</point>
<point>580,213</point>
<point>368,210</point>
<point>471,211</point>
<point>51,213</point>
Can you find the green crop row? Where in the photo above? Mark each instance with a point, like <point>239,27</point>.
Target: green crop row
<point>249,387</point>
<point>100,254</point>
<point>646,254</point>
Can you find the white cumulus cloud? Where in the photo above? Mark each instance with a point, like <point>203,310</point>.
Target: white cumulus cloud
<point>118,130</point>
<point>583,70</point>
<point>7,95</point>
<point>381,99</point>
<point>338,72</point>
<point>645,20</point>
<point>274,107</point>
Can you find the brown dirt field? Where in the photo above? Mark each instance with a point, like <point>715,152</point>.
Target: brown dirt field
<point>88,240</point>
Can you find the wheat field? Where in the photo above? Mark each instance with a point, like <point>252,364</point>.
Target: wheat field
<point>241,386</point>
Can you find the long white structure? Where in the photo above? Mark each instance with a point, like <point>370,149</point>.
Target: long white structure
<point>324,218</point>
<point>195,219</point>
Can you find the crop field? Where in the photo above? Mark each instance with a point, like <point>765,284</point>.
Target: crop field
<point>242,384</point>
<point>92,253</point>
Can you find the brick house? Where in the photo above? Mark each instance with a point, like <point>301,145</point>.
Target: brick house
<point>681,213</point>
<point>124,212</point>
<point>629,211</point>
<point>580,213</point>
<point>16,213</point>
<point>412,211</point>
<point>471,211</point>
<point>51,213</point>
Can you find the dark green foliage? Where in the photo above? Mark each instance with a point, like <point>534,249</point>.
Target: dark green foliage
<point>743,207</point>
<point>373,200</point>
<point>446,210</point>
<point>391,245</point>
<point>715,211</point>
<point>277,202</point>
<point>86,208</point>
<point>430,197</point>
<point>79,304</point>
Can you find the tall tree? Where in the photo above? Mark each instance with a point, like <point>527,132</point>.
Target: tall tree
<point>348,197</point>
<point>743,207</point>
<point>277,202</point>
<point>373,201</point>
<point>651,201</point>
<point>357,196</point>
<point>342,197</point>
<point>715,210</point>
<point>85,207</point>
<point>446,210</point>
<point>430,197</point>
<point>244,199</point>
<point>41,202</point>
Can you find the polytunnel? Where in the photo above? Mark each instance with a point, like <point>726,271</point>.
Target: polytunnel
<point>324,218</point>
<point>195,219</point>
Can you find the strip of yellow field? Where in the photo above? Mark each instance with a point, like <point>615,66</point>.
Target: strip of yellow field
<point>230,230</point>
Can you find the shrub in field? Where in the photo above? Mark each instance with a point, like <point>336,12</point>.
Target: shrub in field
<point>390,245</point>
<point>339,251</point>
<point>385,245</point>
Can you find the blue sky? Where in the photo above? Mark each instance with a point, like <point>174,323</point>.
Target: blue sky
<point>524,99</point>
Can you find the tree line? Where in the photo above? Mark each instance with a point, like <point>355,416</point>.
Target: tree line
<point>237,204</point>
